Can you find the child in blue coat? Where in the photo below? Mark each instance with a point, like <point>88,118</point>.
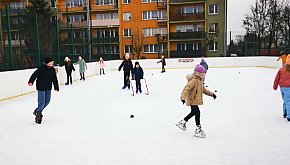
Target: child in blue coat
<point>137,74</point>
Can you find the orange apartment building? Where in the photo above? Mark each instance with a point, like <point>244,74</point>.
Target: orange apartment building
<point>143,28</point>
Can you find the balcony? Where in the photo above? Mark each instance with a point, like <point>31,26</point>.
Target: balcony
<point>161,21</point>
<point>187,16</point>
<point>14,11</point>
<point>106,40</point>
<point>105,22</point>
<point>185,1</point>
<point>161,4</point>
<point>185,53</point>
<point>15,42</point>
<point>74,24</point>
<point>186,36</point>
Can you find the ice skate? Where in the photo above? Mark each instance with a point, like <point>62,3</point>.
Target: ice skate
<point>199,132</point>
<point>34,112</point>
<point>182,125</point>
<point>140,90</point>
<point>38,117</point>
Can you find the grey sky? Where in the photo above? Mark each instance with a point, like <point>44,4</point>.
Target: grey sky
<point>237,9</point>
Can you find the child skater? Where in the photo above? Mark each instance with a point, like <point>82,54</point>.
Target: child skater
<point>283,80</point>
<point>192,96</point>
<point>163,63</point>
<point>102,66</point>
<point>204,64</point>
<point>45,76</point>
<point>127,68</point>
<point>82,67</point>
<point>69,67</point>
<point>137,74</point>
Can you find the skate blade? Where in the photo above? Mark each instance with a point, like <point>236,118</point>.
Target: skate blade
<point>183,129</point>
<point>199,136</point>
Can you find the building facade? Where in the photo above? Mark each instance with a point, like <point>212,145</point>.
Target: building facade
<point>143,28</point>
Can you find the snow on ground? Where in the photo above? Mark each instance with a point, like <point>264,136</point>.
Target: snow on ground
<point>89,123</point>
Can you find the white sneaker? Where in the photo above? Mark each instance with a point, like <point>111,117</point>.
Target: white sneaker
<point>199,132</point>
<point>182,125</point>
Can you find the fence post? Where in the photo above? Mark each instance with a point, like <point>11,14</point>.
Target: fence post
<point>37,40</point>
<point>57,42</point>
<point>9,35</point>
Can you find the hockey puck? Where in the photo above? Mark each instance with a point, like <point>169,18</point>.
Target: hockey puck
<point>152,73</point>
<point>215,91</point>
<point>132,116</point>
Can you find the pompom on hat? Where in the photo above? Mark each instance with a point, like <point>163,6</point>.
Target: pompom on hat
<point>288,59</point>
<point>199,68</point>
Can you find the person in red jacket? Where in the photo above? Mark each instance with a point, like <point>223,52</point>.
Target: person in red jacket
<point>283,80</point>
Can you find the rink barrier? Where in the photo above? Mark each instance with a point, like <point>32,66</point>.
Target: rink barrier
<point>15,83</point>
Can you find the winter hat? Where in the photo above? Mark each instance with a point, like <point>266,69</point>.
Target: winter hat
<point>199,68</point>
<point>48,60</point>
<point>101,58</point>
<point>66,59</point>
<point>288,59</point>
<point>137,63</point>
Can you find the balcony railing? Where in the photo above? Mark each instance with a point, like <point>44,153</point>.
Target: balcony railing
<point>187,16</point>
<point>111,40</point>
<point>186,35</point>
<point>106,22</point>
<point>185,53</point>
<point>74,24</point>
<point>161,4</point>
<point>181,1</point>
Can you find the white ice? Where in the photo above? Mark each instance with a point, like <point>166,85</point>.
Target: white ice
<point>89,123</point>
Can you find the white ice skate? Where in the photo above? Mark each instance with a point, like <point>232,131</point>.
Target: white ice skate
<point>182,125</point>
<point>199,132</point>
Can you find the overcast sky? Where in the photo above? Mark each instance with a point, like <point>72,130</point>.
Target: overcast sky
<point>237,9</point>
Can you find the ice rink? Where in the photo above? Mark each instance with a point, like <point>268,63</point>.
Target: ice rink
<point>88,123</point>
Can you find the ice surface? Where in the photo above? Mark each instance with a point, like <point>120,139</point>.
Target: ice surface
<point>89,123</point>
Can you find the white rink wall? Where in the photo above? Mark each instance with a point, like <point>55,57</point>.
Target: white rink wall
<point>15,83</point>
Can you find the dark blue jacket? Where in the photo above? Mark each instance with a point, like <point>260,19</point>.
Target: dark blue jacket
<point>137,73</point>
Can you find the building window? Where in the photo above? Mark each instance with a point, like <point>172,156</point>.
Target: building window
<point>191,9</point>
<point>213,9</point>
<point>213,46</point>
<point>75,3</point>
<point>105,2</point>
<point>127,49</point>
<point>76,18</point>
<point>149,32</point>
<point>107,33</point>
<point>52,3</point>
<point>127,32</point>
<point>152,48</point>
<point>188,46</point>
<point>189,28</point>
<point>148,1</point>
<point>16,5</point>
<point>127,16</point>
<point>213,27</point>
<point>154,14</point>
<point>107,16</point>
<point>126,1</point>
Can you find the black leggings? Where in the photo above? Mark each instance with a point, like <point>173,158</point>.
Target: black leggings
<point>194,112</point>
<point>127,78</point>
<point>68,78</point>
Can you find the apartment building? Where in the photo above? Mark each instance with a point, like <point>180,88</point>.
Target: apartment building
<point>144,28</point>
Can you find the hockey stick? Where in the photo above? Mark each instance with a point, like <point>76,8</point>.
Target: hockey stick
<point>147,93</point>
<point>131,84</point>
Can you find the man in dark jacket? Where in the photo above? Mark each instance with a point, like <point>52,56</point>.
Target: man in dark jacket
<point>45,75</point>
<point>163,63</point>
<point>127,68</point>
<point>137,75</point>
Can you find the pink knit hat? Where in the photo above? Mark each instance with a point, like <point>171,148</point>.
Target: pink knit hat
<point>199,68</point>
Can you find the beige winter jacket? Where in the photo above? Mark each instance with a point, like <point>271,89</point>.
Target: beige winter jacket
<point>193,90</point>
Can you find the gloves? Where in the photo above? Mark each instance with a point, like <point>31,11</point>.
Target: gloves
<point>183,101</point>
<point>214,96</point>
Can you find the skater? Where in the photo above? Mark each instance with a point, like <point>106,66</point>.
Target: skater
<point>82,67</point>
<point>282,56</point>
<point>204,64</point>
<point>163,63</point>
<point>192,96</point>
<point>69,67</point>
<point>102,66</point>
<point>127,68</point>
<point>45,75</point>
<point>283,80</point>
<point>137,75</point>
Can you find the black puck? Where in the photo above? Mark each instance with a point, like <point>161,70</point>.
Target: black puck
<point>131,116</point>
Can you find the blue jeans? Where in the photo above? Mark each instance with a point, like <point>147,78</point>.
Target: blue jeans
<point>43,99</point>
<point>285,92</point>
